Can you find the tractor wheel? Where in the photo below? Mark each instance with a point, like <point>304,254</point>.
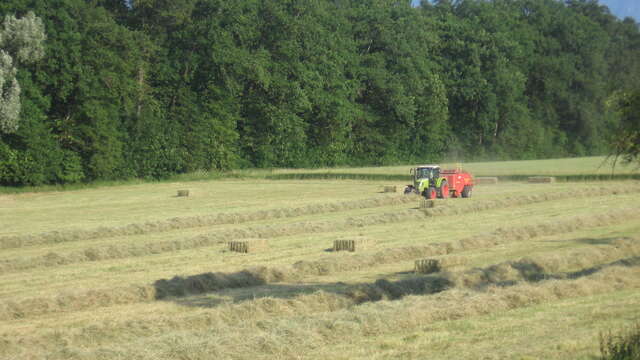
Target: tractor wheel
<point>466,191</point>
<point>430,193</point>
<point>443,190</point>
<point>409,190</point>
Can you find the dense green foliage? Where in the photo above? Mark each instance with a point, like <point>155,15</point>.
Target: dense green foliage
<point>626,140</point>
<point>624,345</point>
<point>164,87</point>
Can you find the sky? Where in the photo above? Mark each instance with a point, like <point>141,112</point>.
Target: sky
<point>620,8</point>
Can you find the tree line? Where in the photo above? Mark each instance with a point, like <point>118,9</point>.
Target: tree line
<point>151,88</point>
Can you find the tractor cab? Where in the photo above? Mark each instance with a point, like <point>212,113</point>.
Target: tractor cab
<point>425,172</point>
<point>424,176</point>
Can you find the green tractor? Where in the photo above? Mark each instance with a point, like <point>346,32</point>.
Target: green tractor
<point>431,182</point>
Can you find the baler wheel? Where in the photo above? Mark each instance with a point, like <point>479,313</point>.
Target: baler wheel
<point>466,191</point>
<point>443,191</point>
<point>430,193</point>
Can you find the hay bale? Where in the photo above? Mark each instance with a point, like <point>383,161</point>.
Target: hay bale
<point>390,189</point>
<point>427,203</point>
<point>248,246</point>
<point>183,193</point>
<point>486,180</point>
<point>542,179</point>
<point>429,266</point>
<point>352,245</point>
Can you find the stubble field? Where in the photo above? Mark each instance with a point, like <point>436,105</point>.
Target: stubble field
<point>133,272</point>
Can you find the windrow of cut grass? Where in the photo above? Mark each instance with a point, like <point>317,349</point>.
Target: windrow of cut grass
<point>307,322</point>
<point>500,236</point>
<point>178,286</point>
<point>456,207</point>
<point>444,208</point>
<point>571,264</point>
<point>261,275</point>
<point>177,223</point>
<point>122,251</point>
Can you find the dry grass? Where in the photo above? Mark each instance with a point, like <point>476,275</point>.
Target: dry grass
<point>314,322</point>
<point>482,180</point>
<point>249,246</point>
<point>454,207</point>
<point>571,264</point>
<point>179,223</point>
<point>428,203</point>
<point>114,207</point>
<point>541,179</point>
<point>254,276</point>
<point>550,167</point>
<point>182,294</point>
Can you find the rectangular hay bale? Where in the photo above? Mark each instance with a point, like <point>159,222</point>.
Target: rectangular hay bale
<point>390,189</point>
<point>427,203</point>
<point>542,179</point>
<point>248,246</point>
<point>350,244</point>
<point>429,266</point>
<point>486,180</point>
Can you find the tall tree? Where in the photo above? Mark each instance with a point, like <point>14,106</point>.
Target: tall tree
<point>21,42</point>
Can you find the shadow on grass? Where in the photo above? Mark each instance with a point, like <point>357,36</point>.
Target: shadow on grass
<point>209,290</point>
<point>208,282</point>
<point>534,273</point>
<point>602,241</point>
<point>213,289</point>
<point>278,291</point>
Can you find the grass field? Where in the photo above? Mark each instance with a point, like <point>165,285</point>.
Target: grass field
<point>598,167</point>
<point>535,271</point>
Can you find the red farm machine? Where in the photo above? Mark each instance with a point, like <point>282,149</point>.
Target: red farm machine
<point>431,182</point>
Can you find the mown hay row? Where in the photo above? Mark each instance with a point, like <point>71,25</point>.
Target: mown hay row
<point>487,240</point>
<point>7,242</point>
<point>462,207</point>
<point>267,231</point>
<point>75,301</point>
<point>248,246</point>
<point>574,263</point>
<point>390,189</point>
<point>161,289</point>
<point>180,286</point>
<point>571,264</point>
<point>446,208</point>
<point>416,311</point>
<point>211,239</point>
<point>328,317</point>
